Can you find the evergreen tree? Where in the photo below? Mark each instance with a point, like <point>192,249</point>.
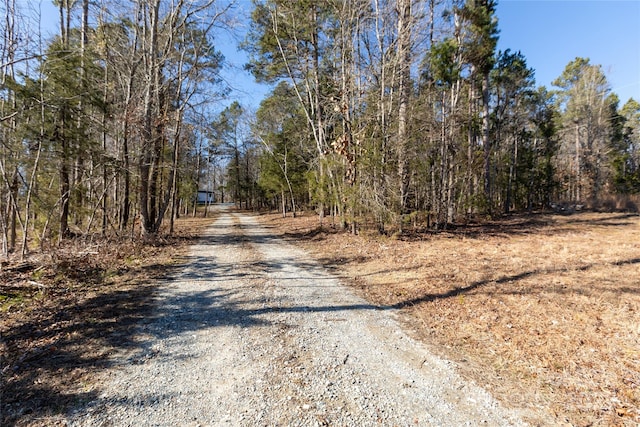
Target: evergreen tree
<point>626,151</point>
<point>284,163</point>
<point>480,49</point>
<point>585,105</point>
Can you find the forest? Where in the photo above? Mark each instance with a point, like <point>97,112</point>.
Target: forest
<point>383,114</point>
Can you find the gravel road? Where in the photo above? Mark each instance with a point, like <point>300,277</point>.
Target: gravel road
<point>253,332</point>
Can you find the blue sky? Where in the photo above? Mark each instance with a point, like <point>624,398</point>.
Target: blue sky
<point>245,90</point>
<point>551,33</point>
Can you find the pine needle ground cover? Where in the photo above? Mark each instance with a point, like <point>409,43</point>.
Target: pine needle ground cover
<point>543,310</point>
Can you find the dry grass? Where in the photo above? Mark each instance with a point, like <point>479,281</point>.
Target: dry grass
<point>64,312</point>
<point>544,311</point>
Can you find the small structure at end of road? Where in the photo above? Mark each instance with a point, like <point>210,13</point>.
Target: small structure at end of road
<point>206,197</point>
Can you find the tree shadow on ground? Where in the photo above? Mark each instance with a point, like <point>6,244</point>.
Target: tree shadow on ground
<point>508,279</point>
<point>505,226</point>
<point>49,353</point>
<point>75,336</point>
<point>74,319</point>
<point>76,331</point>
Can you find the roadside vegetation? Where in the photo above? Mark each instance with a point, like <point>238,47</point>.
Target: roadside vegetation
<point>422,150</point>
<point>542,310</point>
<point>65,311</point>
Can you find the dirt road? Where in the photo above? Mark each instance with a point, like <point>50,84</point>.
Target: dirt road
<point>253,332</point>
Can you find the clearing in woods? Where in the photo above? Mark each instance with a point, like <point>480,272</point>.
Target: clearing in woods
<point>252,331</point>
<point>542,311</point>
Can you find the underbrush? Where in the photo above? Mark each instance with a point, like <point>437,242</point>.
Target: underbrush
<point>64,311</point>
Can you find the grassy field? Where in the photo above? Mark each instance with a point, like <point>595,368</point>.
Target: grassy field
<point>543,310</point>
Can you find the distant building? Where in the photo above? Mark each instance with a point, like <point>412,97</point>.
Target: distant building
<point>206,197</point>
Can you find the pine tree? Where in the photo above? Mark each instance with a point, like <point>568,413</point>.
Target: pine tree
<point>585,105</point>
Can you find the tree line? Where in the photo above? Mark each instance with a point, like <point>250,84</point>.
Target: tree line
<point>390,112</point>
<point>103,124</point>
<point>383,113</point>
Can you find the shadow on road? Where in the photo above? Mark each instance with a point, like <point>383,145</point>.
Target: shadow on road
<point>132,319</point>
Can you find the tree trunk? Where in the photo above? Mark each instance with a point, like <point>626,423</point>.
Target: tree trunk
<point>64,189</point>
<point>486,143</point>
<point>148,142</point>
<point>105,204</point>
<point>404,87</point>
<point>284,204</point>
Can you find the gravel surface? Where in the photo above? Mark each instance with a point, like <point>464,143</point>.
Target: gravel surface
<point>253,332</point>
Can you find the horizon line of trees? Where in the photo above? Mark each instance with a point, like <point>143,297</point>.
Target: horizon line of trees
<point>390,111</point>
<point>103,127</point>
<point>382,113</point>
